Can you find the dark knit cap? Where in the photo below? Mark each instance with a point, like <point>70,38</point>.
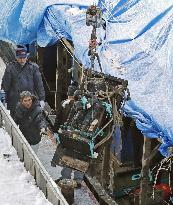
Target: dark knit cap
<point>21,51</point>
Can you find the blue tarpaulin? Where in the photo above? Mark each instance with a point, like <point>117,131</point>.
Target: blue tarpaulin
<point>135,44</point>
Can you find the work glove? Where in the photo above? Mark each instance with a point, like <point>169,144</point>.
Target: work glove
<point>66,102</point>
<point>43,131</point>
<point>42,104</point>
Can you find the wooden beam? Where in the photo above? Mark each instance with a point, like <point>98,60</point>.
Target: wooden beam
<point>144,172</point>
<point>105,175</point>
<point>68,45</point>
<point>98,191</point>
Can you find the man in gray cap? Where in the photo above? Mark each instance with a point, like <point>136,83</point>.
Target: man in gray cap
<point>22,75</point>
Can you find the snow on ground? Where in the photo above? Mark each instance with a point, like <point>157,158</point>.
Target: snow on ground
<point>17,186</point>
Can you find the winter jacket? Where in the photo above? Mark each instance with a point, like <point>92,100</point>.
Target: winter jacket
<point>30,121</point>
<point>17,79</point>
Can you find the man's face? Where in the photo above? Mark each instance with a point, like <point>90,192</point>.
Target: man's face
<point>21,61</point>
<point>27,102</point>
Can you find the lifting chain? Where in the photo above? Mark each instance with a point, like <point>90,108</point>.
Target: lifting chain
<point>94,18</point>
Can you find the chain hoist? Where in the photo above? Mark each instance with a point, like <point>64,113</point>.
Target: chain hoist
<point>94,18</point>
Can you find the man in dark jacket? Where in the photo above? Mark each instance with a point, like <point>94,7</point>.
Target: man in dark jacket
<point>29,117</point>
<point>64,110</point>
<point>61,118</point>
<point>22,75</point>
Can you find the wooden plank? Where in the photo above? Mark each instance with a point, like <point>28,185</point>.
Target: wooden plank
<point>41,181</point>
<point>98,191</point>
<point>68,45</point>
<point>75,163</point>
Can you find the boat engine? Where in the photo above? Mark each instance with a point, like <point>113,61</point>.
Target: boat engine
<point>90,121</point>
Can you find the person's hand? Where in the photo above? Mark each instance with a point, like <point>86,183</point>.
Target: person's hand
<point>88,105</point>
<point>42,104</point>
<point>43,131</point>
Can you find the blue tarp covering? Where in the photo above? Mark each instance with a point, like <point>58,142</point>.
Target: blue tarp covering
<point>137,45</point>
